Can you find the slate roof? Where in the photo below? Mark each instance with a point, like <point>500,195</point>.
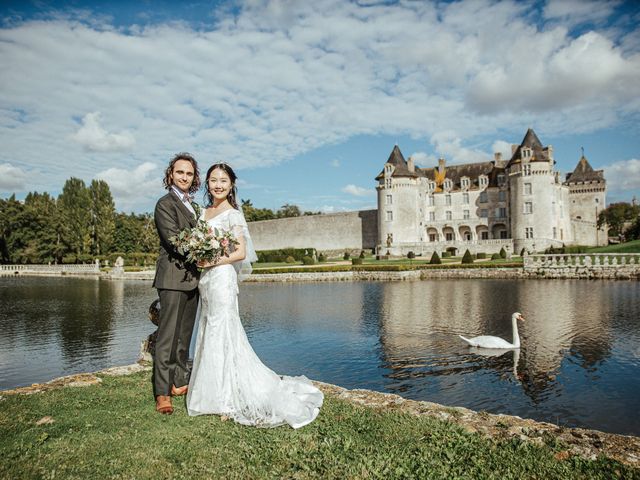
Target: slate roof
<point>584,173</point>
<point>531,140</point>
<point>401,168</point>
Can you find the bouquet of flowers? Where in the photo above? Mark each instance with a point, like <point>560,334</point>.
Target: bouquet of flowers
<point>204,242</point>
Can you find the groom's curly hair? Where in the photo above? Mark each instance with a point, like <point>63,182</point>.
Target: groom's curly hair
<point>196,172</point>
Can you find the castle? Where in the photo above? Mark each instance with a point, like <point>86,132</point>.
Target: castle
<point>522,203</point>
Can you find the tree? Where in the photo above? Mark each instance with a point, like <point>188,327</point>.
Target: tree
<point>75,214</point>
<point>616,216</point>
<point>288,210</point>
<point>253,214</point>
<point>103,213</point>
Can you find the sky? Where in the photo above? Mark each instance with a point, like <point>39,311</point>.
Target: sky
<point>306,100</point>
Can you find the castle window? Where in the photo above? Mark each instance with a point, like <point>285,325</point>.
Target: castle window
<point>503,234</point>
<point>483,181</point>
<point>465,198</point>
<point>484,213</point>
<point>484,235</point>
<point>555,234</point>
<point>448,215</point>
<point>597,200</point>
<point>526,169</point>
<point>464,182</point>
<point>387,182</point>
<point>432,216</point>
<point>430,200</point>
<point>448,184</point>
<point>501,179</point>
<point>502,196</point>
<point>528,232</point>
<point>528,207</point>
<point>527,189</point>
<point>432,237</point>
<point>449,237</point>
<point>432,186</point>
<point>483,197</point>
<point>466,215</point>
<point>501,212</point>
<point>448,199</point>
<point>389,216</point>
<point>389,199</point>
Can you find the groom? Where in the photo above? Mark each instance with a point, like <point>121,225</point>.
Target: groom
<point>177,283</point>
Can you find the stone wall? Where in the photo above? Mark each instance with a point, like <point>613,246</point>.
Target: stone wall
<point>352,231</point>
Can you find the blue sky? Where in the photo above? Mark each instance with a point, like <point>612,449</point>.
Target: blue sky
<point>307,99</point>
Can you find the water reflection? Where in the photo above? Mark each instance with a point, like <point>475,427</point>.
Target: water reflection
<point>579,362</point>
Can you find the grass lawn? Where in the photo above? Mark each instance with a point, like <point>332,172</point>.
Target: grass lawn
<point>627,247</point>
<point>111,430</point>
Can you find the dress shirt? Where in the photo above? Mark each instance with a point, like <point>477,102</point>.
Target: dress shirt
<point>184,198</point>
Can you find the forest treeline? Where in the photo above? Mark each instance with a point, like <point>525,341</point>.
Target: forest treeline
<point>82,224</point>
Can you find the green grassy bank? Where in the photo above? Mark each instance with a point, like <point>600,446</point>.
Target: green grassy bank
<point>111,430</point>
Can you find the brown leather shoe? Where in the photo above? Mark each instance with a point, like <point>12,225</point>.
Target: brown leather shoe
<point>163,404</point>
<point>179,391</point>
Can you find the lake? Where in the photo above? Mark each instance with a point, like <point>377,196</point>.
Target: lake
<point>579,364</point>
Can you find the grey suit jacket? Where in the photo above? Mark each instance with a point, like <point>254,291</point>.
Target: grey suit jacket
<point>173,272</point>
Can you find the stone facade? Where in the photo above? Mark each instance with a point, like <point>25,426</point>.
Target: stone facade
<point>334,232</point>
<point>517,204</point>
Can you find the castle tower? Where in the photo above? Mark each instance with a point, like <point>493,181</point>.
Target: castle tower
<point>398,202</point>
<point>587,190</point>
<point>538,202</point>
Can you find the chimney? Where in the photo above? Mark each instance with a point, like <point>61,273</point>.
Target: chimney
<point>410,165</point>
<point>497,157</point>
<point>441,163</point>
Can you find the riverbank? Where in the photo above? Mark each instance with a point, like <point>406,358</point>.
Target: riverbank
<point>104,425</point>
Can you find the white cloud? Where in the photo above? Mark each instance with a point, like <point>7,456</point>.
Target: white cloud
<point>424,160</point>
<point>12,178</point>
<point>335,163</point>
<point>94,138</point>
<point>623,179</point>
<point>500,146</point>
<point>132,187</point>
<point>449,145</point>
<point>272,80</point>
<point>576,12</point>
<point>357,191</point>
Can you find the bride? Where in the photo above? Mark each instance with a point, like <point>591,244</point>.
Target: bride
<point>228,378</point>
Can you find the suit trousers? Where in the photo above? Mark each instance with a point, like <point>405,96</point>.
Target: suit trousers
<point>175,327</point>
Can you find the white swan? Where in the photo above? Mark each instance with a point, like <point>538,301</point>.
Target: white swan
<point>487,341</point>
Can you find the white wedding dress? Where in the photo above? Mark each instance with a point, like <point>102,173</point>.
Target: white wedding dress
<point>228,378</point>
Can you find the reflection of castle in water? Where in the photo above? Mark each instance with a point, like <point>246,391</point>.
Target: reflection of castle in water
<point>420,321</point>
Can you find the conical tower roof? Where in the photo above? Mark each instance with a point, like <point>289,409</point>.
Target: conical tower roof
<point>401,168</point>
<point>530,140</point>
<point>584,172</point>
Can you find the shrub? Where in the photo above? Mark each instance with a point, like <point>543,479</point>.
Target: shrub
<point>496,256</point>
<point>435,259</point>
<point>446,254</point>
<point>467,257</point>
<point>346,256</point>
<point>275,256</point>
<point>481,255</point>
<point>361,254</point>
<point>322,258</point>
<point>411,255</point>
<point>308,261</point>
<point>356,261</point>
<point>290,259</point>
<point>503,253</point>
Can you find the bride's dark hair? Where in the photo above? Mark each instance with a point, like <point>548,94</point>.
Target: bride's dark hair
<point>232,176</point>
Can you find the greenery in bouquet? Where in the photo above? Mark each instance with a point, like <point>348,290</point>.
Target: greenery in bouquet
<point>204,242</point>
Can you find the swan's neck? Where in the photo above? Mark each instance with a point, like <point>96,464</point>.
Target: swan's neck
<point>516,337</point>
